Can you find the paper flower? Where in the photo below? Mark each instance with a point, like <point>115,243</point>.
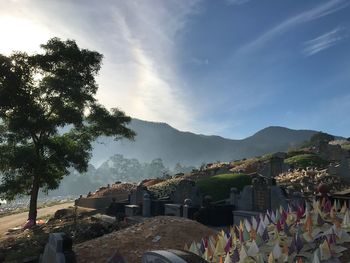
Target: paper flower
<point>235,256</point>
<point>346,220</point>
<point>325,251</point>
<point>253,249</point>
<point>228,259</point>
<point>271,259</point>
<point>242,254</point>
<point>276,251</point>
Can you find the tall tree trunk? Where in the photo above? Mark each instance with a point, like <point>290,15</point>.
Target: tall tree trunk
<point>33,200</point>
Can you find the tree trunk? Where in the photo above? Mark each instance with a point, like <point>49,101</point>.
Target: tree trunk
<point>33,200</point>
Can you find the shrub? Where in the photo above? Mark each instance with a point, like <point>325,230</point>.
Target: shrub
<point>218,186</point>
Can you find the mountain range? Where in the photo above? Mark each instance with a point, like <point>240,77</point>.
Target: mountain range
<point>160,140</point>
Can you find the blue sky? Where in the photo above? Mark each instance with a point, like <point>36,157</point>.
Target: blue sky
<point>229,67</point>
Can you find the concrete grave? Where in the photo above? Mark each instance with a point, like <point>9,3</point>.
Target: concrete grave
<point>261,199</point>
<point>256,198</point>
<point>243,200</point>
<point>136,196</point>
<point>58,249</point>
<point>146,207</point>
<point>158,206</point>
<point>132,210</point>
<point>186,189</point>
<point>173,210</point>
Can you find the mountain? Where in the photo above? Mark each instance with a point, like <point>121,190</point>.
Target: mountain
<point>159,140</point>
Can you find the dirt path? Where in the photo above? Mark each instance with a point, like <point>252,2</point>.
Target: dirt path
<point>19,219</point>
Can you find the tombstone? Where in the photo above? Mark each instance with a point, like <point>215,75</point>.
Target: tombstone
<point>132,210</point>
<point>136,196</point>
<point>233,195</point>
<point>261,195</point>
<point>278,198</point>
<point>116,209</point>
<point>58,249</point>
<point>184,190</point>
<point>244,200</point>
<point>186,208</point>
<point>158,206</point>
<point>257,198</point>
<point>146,207</point>
<point>173,210</point>
<point>277,164</point>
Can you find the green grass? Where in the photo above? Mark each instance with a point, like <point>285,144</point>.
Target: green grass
<point>218,186</point>
<point>346,147</point>
<point>305,160</point>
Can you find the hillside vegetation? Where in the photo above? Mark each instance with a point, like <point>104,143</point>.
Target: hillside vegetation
<point>305,160</point>
<point>218,186</point>
<point>159,140</point>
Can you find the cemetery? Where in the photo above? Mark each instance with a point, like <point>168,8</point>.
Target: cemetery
<point>143,131</point>
<point>269,221</point>
<point>268,212</point>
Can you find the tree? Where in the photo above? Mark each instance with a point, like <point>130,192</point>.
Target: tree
<point>49,117</point>
<point>318,138</point>
<point>155,169</point>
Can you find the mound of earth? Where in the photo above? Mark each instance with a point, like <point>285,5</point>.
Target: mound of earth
<point>114,190</point>
<point>82,224</point>
<point>165,188</point>
<point>150,182</point>
<point>162,232</point>
<point>307,181</point>
<point>248,166</point>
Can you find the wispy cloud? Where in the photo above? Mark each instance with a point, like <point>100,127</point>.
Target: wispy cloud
<point>237,2</point>
<point>324,41</point>
<point>138,40</point>
<point>309,15</point>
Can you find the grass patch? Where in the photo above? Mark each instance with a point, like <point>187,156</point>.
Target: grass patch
<point>219,186</point>
<point>346,147</point>
<point>305,160</point>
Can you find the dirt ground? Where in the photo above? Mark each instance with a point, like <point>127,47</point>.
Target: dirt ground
<point>15,220</point>
<point>162,232</point>
<point>81,224</point>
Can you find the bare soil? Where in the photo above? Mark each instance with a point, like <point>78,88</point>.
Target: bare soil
<point>15,220</point>
<point>162,232</point>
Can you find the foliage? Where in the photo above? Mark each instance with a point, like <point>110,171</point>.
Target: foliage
<point>116,168</point>
<point>305,160</point>
<point>218,186</point>
<point>318,138</point>
<point>346,147</point>
<point>179,168</point>
<point>39,95</point>
<point>119,168</point>
<point>293,153</point>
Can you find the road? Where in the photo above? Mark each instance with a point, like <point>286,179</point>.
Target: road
<point>19,219</point>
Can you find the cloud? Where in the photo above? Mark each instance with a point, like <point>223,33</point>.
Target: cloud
<point>324,41</point>
<point>309,15</point>
<point>237,2</point>
<point>139,42</point>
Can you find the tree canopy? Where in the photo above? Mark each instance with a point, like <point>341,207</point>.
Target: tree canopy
<point>317,138</point>
<point>49,116</point>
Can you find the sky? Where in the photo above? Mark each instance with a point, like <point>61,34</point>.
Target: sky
<point>214,67</point>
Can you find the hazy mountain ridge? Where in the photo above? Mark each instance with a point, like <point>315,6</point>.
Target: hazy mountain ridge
<point>160,140</point>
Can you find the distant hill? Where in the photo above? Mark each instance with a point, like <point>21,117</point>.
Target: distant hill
<point>159,140</point>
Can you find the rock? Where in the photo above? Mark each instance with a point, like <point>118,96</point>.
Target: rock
<point>64,213</point>
<point>156,239</point>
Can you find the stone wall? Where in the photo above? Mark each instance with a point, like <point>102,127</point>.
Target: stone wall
<point>95,203</point>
